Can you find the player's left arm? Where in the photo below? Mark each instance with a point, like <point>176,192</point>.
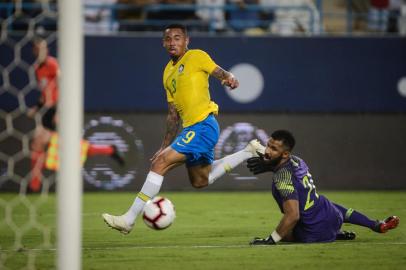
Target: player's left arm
<point>226,78</point>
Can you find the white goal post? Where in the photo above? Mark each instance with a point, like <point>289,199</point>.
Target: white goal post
<point>69,178</point>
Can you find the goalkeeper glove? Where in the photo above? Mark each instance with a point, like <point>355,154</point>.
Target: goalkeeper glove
<point>261,241</point>
<point>258,165</point>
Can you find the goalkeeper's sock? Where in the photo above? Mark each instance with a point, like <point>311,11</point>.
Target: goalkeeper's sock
<point>151,187</point>
<point>227,163</point>
<point>357,218</point>
<point>103,150</point>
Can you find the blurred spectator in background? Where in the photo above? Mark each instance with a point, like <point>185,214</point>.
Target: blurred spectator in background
<point>211,13</point>
<point>294,16</point>
<point>182,14</point>
<point>378,15</point>
<point>393,16</point>
<point>402,19</point>
<point>47,73</point>
<point>44,145</point>
<point>241,17</point>
<point>133,17</point>
<point>100,16</point>
<point>360,9</point>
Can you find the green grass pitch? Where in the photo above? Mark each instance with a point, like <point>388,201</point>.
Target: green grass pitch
<point>211,231</point>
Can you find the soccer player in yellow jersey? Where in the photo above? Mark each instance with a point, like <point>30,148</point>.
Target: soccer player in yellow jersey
<point>186,83</point>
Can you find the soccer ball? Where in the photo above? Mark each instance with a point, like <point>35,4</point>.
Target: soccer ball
<point>159,213</point>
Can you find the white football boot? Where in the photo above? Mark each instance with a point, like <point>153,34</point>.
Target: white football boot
<point>117,222</point>
<point>255,147</point>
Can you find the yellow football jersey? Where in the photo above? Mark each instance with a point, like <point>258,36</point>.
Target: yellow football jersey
<point>187,86</point>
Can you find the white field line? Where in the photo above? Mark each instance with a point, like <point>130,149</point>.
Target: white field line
<point>331,245</point>
<point>241,212</point>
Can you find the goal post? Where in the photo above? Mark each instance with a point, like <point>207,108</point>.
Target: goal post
<point>69,178</point>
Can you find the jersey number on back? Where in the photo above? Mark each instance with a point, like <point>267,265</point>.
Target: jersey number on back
<point>308,183</point>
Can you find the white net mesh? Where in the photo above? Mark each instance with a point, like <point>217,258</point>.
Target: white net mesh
<point>27,212</point>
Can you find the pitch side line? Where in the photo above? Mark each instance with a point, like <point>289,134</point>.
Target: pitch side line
<point>333,245</point>
<point>243,212</point>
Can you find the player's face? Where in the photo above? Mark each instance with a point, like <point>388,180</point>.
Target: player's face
<point>275,152</point>
<point>40,51</point>
<point>175,42</point>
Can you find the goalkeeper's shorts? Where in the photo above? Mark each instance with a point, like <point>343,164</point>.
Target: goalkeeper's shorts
<point>48,118</point>
<point>197,142</point>
<point>325,226</point>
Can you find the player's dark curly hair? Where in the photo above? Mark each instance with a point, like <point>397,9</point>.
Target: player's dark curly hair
<point>177,26</point>
<point>286,137</point>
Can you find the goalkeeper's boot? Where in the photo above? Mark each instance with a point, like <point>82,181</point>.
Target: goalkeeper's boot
<point>118,223</point>
<point>256,148</point>
<point>117,156</point>
<point>345,235</point>
<point>389,223</point>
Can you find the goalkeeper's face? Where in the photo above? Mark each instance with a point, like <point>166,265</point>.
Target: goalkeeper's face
<point>276,153</point>
<point>175,42</point>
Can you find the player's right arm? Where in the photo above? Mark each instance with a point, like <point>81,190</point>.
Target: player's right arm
<point>283,231</point>
<point>208,65</point>
<point>291,216</point>
<point>173,123</point>
<point>226,78</point>
<point>290,206</point>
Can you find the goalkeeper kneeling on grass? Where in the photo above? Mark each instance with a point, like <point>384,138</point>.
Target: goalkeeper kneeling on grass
<point>307,216</point>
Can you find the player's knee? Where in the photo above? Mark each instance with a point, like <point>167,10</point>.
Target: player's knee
<point>159,165</point>
<point>199,182</point>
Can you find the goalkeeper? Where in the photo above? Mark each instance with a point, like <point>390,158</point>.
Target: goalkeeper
<point>307,216</point>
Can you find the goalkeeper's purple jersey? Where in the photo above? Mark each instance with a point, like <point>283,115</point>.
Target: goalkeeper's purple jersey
<point>319,218</point>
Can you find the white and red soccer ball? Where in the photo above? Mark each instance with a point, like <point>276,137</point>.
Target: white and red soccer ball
<point>159,213</point>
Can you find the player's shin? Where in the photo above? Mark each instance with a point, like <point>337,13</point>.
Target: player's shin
<point>151,188</point>
<point>37,162</point>
<point>354,217</point>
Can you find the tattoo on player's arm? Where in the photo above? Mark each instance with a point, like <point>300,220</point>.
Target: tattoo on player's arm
<point>172,125</point>
<point>220,73</point>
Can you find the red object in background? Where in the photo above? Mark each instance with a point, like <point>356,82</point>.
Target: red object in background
<point>95,150</point>
<point>381,4</point>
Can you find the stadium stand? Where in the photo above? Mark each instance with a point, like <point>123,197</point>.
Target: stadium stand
<point>267,17</point>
